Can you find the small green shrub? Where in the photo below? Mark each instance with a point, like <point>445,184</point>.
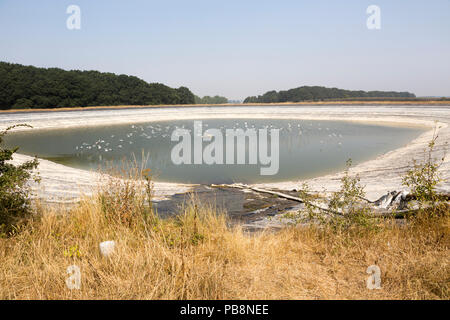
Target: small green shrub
<point>347,202</point>
<point>15,202</point>
<point>344,209</point>
<point>423,177</point>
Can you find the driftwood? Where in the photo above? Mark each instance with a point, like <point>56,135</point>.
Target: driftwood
<point>282,195</point>
<point>394,198</point>
<point>409,197</point>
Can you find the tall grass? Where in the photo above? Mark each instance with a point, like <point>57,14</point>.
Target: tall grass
<point>196,256</point>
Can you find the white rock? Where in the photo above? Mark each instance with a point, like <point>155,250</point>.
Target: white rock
<point>107,248</point>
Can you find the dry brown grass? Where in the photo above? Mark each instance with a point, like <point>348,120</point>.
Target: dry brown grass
<point>196,256</point>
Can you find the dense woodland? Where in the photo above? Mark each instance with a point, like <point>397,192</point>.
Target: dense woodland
<point>316,93</point>
<point>211,100</point>
<point>31,87</point>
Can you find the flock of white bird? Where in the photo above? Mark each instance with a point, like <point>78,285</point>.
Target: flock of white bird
<point>117,144</point>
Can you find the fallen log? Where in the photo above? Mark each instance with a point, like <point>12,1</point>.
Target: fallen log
<point>410,196</point>
<point>282,195</point>
<point>378,214</point>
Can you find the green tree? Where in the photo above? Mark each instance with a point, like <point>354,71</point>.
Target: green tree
<point>316,93</point>
<point>14,190</point>
<point>211,100</point>
<point>31,87</point>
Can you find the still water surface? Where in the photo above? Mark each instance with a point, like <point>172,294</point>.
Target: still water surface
<point>307,148</point>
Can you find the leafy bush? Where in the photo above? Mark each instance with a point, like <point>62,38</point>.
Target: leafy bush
<point>343,210</point>
<point>347,201</point>
<point>14,190</point>
<point>423,176</point>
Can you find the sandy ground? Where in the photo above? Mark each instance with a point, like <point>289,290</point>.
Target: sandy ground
<point>64,184</point>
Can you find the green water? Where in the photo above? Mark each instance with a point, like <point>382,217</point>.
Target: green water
<point>306,148</point>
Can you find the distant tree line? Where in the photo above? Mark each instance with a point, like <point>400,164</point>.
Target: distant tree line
<point>31,87</point>
<point>211,100</point>
<point>316,93</point>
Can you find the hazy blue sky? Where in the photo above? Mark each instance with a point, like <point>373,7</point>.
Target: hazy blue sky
<point>239,48</point>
